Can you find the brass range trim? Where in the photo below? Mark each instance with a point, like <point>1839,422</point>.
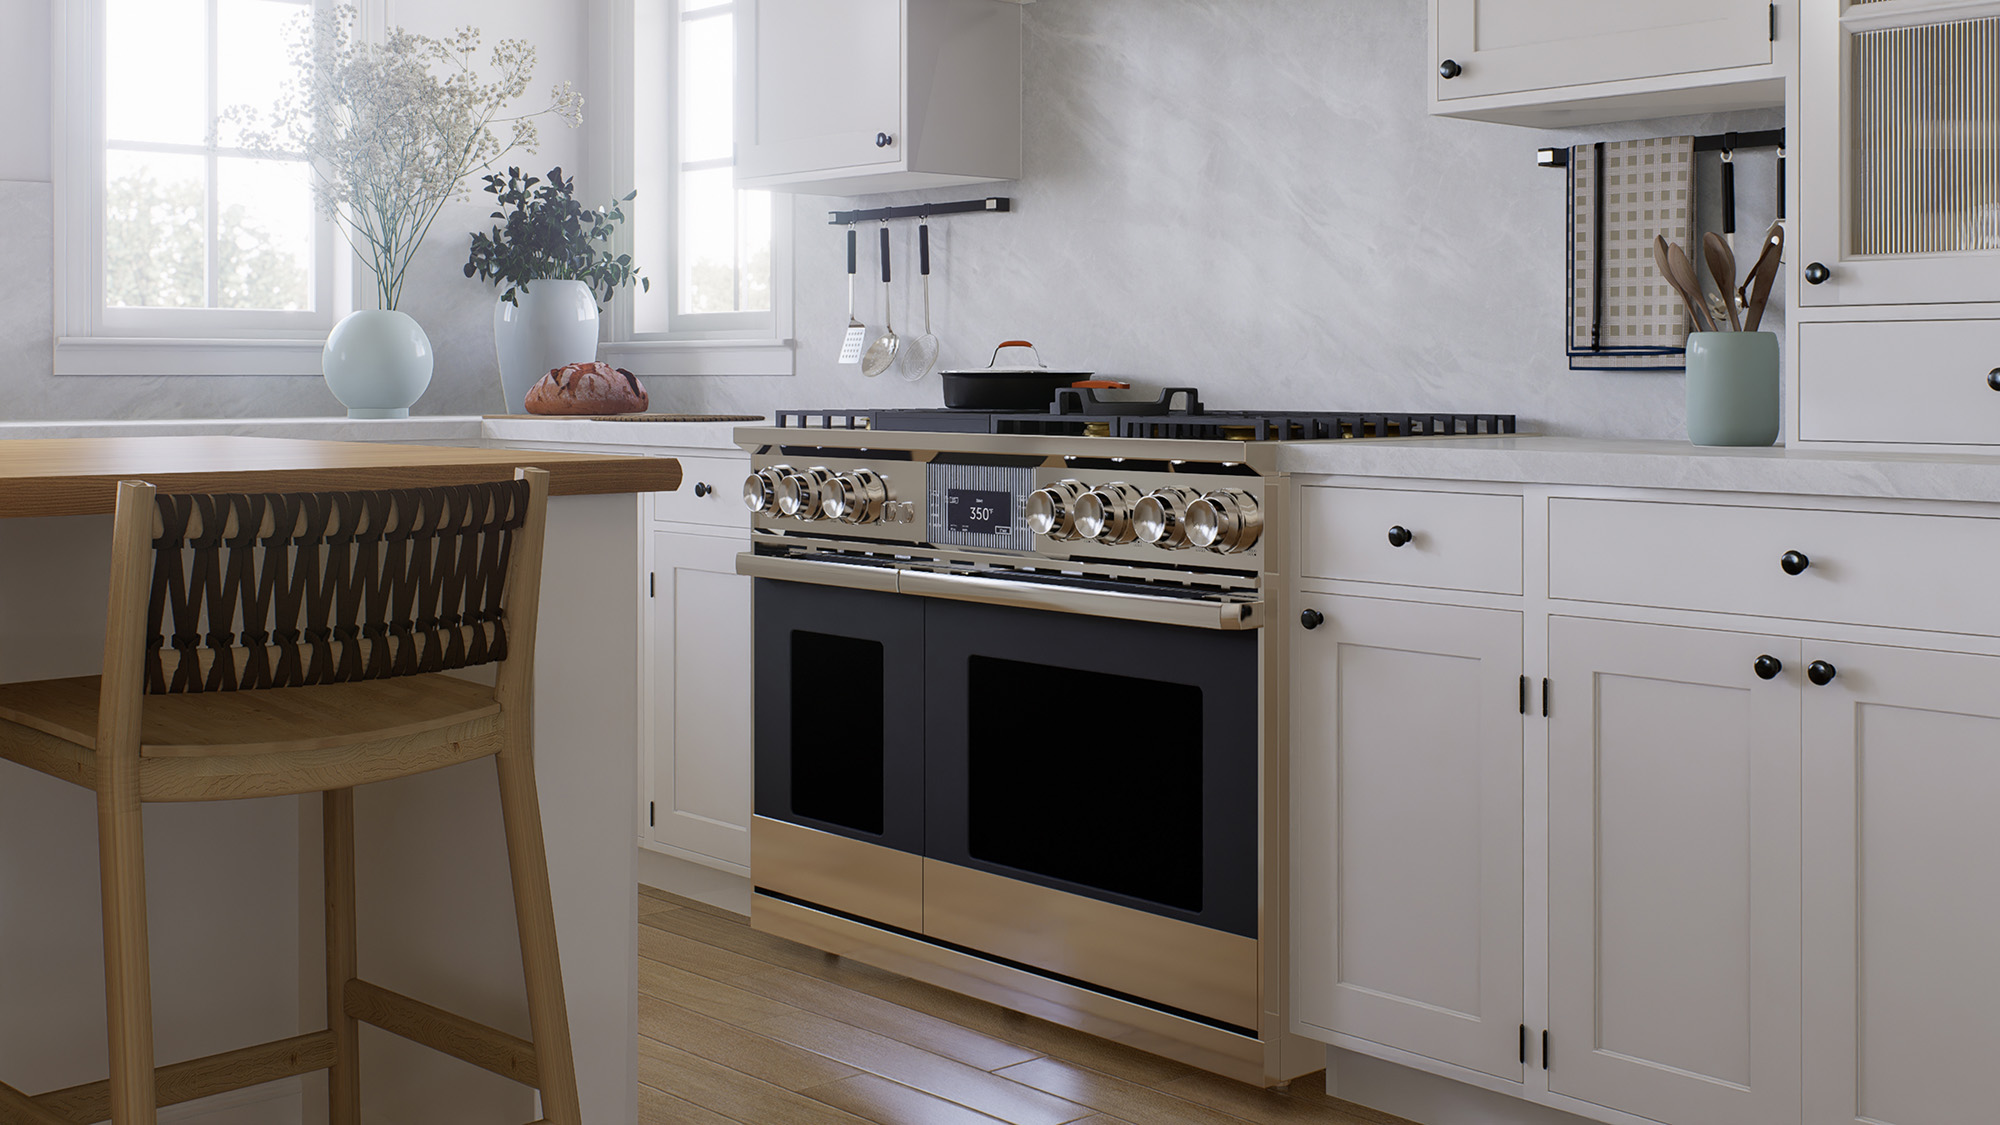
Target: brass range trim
<point>867,879</point>
<point>1145,1028</point>
<point>1173,963</point>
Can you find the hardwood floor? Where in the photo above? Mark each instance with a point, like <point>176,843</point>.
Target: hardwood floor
<point>742,1028</point>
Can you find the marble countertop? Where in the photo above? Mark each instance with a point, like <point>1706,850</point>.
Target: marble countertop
<point>1656,464</point>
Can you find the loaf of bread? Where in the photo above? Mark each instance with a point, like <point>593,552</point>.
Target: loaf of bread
<point>587,388</point>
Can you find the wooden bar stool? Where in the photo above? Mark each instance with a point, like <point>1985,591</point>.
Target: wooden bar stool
<point>264,645</point>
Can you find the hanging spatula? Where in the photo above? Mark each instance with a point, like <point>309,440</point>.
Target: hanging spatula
<point>857,332</point>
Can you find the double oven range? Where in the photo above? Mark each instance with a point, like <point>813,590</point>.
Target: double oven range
<point>1018,718</point>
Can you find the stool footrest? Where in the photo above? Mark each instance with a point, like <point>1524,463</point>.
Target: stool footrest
<point>181,1082</point>
<point>448,1033</point>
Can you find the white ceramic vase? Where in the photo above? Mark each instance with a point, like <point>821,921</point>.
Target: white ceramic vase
<point>555,323</point>
<point>377,362</point>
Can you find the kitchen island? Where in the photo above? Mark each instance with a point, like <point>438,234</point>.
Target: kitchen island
<point>236,941</point>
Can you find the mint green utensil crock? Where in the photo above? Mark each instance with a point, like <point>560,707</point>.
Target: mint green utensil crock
<point>1732,388</point>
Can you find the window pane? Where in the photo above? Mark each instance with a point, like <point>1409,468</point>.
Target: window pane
<point>155,61</point>
<point>264,251</point>
<point>753,217</point>
<point>708,67</point>
<point>254,56</point>
<point>708,241</point>
<point>155,217</point>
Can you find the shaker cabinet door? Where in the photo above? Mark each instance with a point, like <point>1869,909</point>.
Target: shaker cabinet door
<point>816,83</point>
<point>1406,809</point>
<point>1674,871</point>
<point>1902,887</point>
<point>1510,46</point>
<point>700,676</point>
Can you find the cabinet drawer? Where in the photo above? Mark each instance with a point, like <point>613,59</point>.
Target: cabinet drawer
<point>1458,540</point>
<point>1918,381</point>
<point>1864,568</point>
<point>721,502</point>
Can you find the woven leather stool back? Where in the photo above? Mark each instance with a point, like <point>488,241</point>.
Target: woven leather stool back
<point>276,590</point>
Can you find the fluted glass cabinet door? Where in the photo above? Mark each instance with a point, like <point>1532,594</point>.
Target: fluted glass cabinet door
<point>1901,193</point>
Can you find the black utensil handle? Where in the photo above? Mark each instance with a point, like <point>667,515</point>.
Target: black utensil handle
<point>851,243</point>
<point>885,255</point>
<point>1728,196</point>
<point>924,247</point>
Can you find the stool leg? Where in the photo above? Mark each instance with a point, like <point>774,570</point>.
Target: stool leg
<point>534,912</point>
<point>128,984</point>
<point>343,1078</point>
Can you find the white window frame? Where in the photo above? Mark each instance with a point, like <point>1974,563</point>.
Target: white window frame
<point>94,340</point>
<point>699,344</point>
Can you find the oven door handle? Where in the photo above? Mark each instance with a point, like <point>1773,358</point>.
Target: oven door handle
<point>845,575</point>
<point>1095,603</point>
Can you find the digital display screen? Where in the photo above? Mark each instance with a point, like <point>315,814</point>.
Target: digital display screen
<point>971,512</point>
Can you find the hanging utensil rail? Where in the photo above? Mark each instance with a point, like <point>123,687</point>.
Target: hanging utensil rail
<point>922,210</point>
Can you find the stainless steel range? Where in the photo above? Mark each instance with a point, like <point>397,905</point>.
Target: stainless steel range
<point>1018,719</point>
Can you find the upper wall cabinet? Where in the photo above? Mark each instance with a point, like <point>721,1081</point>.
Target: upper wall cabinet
<point>1900,174</point>
<point>1558,63</point>
<point>877,95</point>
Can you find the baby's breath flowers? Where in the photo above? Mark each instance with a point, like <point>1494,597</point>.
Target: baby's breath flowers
<point>392,129</point>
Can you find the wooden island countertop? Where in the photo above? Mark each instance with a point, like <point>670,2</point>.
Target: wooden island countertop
<point>79,476</point>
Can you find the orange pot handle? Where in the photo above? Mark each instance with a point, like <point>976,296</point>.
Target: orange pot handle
<point>1014,344</point>
<point>1103,385</point>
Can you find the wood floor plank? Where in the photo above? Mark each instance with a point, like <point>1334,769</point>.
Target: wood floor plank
<point>707,996</point>
<point>938,1036</point>
<point>724,913</point>
<point>732,1093</point>
<point>779,1063</point>
<point>892,1103</point>
<point>1115,1096</point>
<point>913,1066</point>
<point>657,1107</point>
<point>713,962</point>
<point>656,894</point>
<point>715,930</point>
<point>1266,1107</point>
<point>650,907</point>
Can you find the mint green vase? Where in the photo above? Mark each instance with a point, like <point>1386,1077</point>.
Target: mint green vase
<point>1732,388</point>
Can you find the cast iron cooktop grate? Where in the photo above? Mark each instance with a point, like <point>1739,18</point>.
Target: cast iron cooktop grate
<point>1230,425</point>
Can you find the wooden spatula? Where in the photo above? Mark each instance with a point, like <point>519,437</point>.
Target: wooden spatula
<point>1756,291</point>
<point>1674,266</point>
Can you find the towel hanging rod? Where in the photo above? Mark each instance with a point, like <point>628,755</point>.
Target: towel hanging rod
<point>921,211</point>
<point>1714,142</point>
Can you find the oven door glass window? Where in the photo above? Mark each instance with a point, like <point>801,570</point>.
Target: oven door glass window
<point>837,730</point>
<point>1095,799</point>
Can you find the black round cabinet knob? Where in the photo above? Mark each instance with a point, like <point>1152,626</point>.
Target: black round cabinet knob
<point>1993,378</point>
<point>1794,563</point>
<point>884,140</point>
<point>1312,619</point>
<point>1768,667</point>
<point>1449,69</point>
<point>1817,274</point>
<point>1820,672</point>
<point>701,489</point>
<point>1400,536</point>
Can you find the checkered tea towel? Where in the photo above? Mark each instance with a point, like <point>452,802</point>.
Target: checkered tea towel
<point>1622,195</point>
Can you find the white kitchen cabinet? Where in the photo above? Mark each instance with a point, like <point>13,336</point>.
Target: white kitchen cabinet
<point>1899,188</point>
<point>1902,886</point>
<point>1674,872</point>
<point>699,720</point>
<point>869,96</point>
<point>1406,828</point>
<point>1553,63</point>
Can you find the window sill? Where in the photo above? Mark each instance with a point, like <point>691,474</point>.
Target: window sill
<point>108,355</point>
<point>701,357</point>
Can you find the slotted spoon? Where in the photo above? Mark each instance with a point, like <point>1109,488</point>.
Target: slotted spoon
<point>882,353</point>
<point>921,354</point>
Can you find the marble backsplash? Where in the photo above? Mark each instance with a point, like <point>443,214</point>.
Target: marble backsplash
<point>1242,195</point>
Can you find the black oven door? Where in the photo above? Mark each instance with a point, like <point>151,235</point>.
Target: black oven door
<point>839,749</point>
<point>1109,759</point>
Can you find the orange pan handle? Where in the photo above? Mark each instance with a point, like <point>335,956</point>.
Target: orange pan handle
<point>1103,385</point>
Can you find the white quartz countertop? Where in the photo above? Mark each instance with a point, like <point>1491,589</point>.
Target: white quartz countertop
<point>456,429</point>
<point>1655,464</point>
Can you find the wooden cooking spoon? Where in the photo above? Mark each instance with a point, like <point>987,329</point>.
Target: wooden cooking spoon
<point>1671,261</point>
<point>1722,267</point>
<point>1756,292</point>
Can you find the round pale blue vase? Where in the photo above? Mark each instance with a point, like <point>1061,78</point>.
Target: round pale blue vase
<point>1732,388</point>
<point>377,362</point>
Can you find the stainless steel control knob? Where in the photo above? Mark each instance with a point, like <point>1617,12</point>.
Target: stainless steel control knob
<point>1051,511</point>
<point>1161,518</point>
<point>760,489</point>
<point>1225,522</point>
<point>856,497</point>
<point>1105,513</point>
<point>800,493</point>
